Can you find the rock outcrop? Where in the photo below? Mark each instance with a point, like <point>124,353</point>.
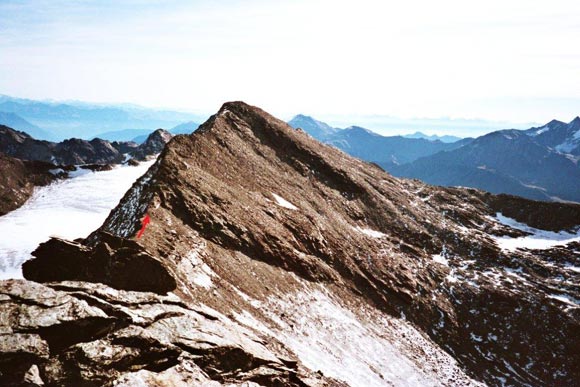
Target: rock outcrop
<point>18,179</point>
<point>153,145</point>
<point>287,262</point>
<point>75,151</point>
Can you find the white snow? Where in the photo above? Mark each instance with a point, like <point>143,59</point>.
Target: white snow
<point>539,239</point>
<point>371,233</point>
<point>56,171</point>
<point>283,202</point>
<point>440,259</point>
<point>540,131</point>
<point>70,208</point>
<point>203,280</point>
<point>565,299</point>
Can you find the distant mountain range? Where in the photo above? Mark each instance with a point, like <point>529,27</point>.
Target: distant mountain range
<point>367,145</point>
<point>140,135</point>
<point>82,120</point>
<point>540,163</point>
<point>433,137</point>
<point>14,121</point>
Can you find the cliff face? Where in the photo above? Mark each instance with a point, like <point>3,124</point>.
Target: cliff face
<point>314,261</point>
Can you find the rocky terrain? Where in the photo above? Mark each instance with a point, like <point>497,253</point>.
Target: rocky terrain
<point>26,162</point>
<point>18,179</point>
<point>273,259</point>
<point>75,151</point>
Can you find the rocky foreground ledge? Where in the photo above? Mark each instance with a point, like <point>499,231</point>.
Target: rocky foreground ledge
<point>272,259</point>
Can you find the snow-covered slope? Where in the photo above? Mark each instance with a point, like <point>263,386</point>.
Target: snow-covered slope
<point>70,208</point>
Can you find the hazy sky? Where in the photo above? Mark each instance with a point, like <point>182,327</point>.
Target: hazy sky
<point>496,59</point>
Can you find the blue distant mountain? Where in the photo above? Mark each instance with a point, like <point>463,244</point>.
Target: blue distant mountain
<point>13,120</point>
<point>84,120</point>
<point>125,134</point>
<point>433,137</point>
<point>368,145</point>
<point>317,129</point>
<point>140,135</point>
<point>540,163</point>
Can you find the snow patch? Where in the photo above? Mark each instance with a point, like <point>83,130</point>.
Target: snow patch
<point>370,233</point>
<point>537,240</point>
<point>56,171</point>
<point>565,299</point>
<point>440,259</point>
<point>283,202</point>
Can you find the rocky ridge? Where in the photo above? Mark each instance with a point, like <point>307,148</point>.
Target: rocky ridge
<point>75,151</point>
<point>306,253</point>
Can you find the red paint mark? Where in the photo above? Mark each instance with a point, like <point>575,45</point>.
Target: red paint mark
<point>144,223</point>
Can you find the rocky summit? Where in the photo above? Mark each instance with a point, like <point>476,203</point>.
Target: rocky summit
<point>273,259</point>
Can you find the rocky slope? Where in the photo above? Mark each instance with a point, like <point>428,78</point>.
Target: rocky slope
<point>275,259</point>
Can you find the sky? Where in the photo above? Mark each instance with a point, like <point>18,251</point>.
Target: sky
<point>513,61</point>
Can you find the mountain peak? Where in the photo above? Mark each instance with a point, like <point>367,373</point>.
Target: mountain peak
<point>282,236</point>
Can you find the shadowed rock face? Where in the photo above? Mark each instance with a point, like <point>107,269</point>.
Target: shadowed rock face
<point>250,218</point>
<point>75,151</point>
<point>18,179</point>
<point>121,264</point>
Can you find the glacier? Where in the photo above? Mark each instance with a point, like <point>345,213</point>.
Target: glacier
<point>70,209</point>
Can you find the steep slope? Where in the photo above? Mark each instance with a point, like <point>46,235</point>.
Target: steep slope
<point>324,261</point>
<point>506,161</point>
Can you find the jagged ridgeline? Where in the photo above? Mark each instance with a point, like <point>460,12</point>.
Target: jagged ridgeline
<point>272,258</point>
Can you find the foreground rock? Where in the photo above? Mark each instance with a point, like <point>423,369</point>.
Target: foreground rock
<point>311,261</point>
<point>122,264</point>
<point>88,334</point>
